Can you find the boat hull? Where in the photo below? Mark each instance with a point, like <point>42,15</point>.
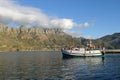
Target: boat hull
<point>66,53</point>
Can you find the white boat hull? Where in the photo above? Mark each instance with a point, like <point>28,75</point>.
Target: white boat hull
<point>73,53</point>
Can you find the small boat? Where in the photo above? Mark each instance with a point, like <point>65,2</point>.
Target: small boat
<point>89,51</point>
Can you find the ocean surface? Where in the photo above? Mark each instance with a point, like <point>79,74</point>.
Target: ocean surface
<point>49,65</point>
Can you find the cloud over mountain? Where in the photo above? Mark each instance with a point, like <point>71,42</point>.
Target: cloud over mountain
<point>12,11</point>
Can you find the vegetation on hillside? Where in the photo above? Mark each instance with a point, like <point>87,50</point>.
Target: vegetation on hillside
<point>37,38</point>
<point>34,38</point>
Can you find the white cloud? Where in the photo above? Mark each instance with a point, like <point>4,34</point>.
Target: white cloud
<point>74,33</point>
<point>11,11</point>
<point>63,23</point>
<point>86,24</point>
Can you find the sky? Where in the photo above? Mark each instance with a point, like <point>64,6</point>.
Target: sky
<point>79,18</point>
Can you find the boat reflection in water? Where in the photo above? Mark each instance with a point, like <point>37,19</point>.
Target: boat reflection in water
<point>89,60</point>
<point>84,68</point>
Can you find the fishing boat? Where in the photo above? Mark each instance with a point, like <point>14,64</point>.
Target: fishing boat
<point>89,51</point>
<point>81,52</point>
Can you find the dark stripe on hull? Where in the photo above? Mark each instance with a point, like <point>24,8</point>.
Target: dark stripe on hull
<point>66,55</point>
<point>70,56</point>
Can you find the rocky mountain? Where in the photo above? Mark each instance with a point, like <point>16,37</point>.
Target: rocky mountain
<point>38,38</point>
<point>33,38</point>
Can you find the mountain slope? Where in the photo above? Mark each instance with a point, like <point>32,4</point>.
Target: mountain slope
<point>33,38</point>
<point>37,38</point>
<point>110,41</point>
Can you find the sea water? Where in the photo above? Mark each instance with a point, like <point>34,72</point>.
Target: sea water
<point>49,65</point>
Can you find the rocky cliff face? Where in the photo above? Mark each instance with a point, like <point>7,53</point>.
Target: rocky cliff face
<point>33,37</point>
<point>24,32</point>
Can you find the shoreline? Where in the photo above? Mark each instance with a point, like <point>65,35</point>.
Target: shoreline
<point>107,51</point>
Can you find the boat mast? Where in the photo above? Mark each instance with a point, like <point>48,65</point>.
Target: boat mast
<point>80,43</point>
<point>73,44</point>
<point>90,43</point>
